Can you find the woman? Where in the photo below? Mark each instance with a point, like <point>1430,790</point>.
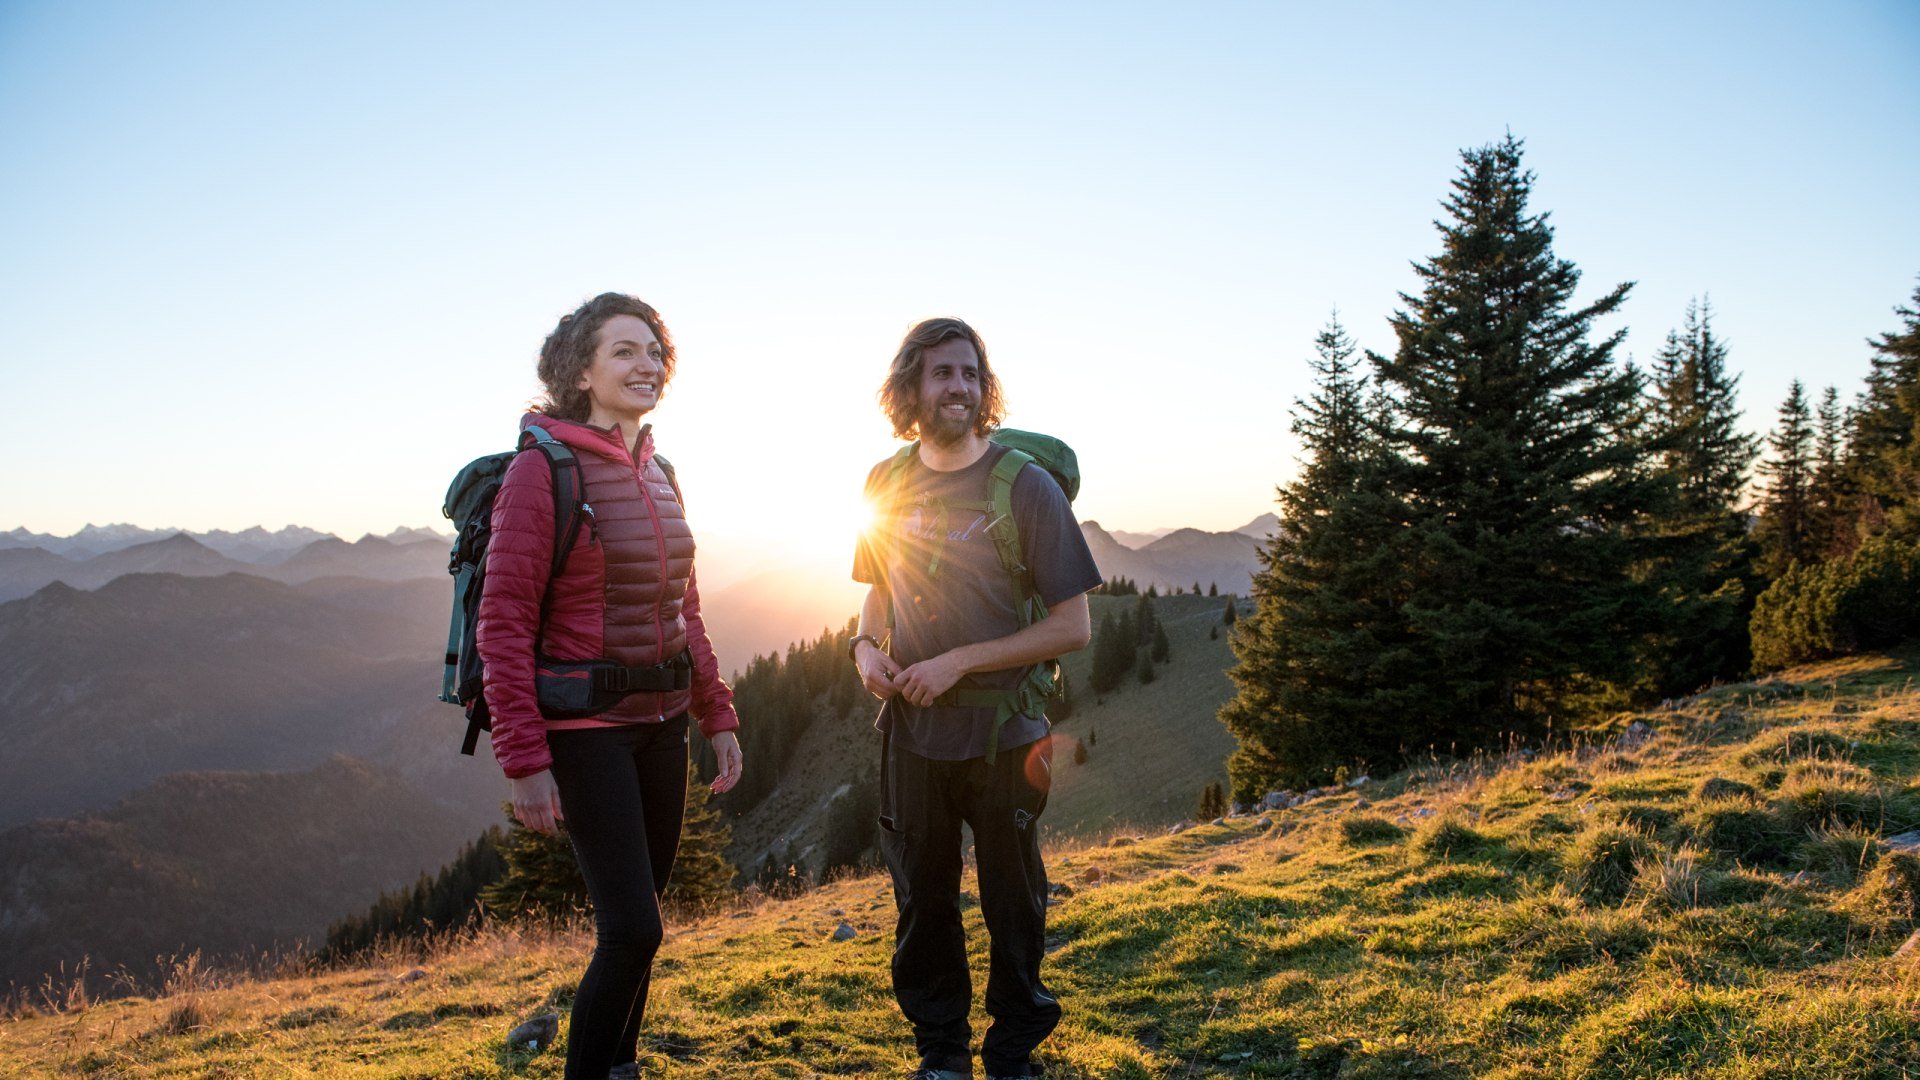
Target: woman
<point>564,656</point>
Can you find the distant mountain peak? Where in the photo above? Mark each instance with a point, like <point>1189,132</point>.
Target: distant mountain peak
<point>179,541</point>
<point>1261,527</point>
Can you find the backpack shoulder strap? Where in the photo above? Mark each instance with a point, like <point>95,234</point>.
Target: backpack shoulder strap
<point>896,471</point>
<point>570,504</point>
<point>1005,531</point>
<point>672,480</point>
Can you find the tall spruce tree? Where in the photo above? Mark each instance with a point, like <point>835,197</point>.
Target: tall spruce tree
<point>1785,529</point>
<point>1885,448</point>
<point>1829,494</point>
<point>1697,416</point>
<point>1700,559</point>
<point>1519,460</point>
<point>1315,675</point>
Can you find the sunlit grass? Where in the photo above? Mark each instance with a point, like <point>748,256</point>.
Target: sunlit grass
<point>1718,902</point>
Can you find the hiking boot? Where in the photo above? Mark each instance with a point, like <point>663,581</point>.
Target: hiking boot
<point>939,1074</point>
<point>628,1071</point>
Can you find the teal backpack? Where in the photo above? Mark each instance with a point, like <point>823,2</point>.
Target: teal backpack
<point>1042,683</point>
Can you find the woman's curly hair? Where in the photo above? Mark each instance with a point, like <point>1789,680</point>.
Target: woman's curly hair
<point>568,352</point>
<point>900,394</point>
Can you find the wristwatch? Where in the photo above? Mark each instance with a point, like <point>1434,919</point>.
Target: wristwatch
<point>853,647</point>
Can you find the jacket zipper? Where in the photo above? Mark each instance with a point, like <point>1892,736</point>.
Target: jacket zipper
<point>653,515</point>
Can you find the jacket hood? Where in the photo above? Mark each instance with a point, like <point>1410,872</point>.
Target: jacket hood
<point>586,438</point>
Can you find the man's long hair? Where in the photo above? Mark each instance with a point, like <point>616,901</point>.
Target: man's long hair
<point>900,394</point>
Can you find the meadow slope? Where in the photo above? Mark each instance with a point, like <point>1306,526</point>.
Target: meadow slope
<point>1715,897</point>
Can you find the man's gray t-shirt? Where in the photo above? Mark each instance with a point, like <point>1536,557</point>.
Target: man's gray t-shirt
<point>969,597</point>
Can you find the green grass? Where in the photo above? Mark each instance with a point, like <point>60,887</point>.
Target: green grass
<point>1596,914</point>
<point>1155,746</point>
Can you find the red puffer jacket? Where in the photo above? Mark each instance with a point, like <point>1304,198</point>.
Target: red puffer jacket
<point>626,594</point>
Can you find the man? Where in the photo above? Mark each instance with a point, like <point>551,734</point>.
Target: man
<point>939,587</point>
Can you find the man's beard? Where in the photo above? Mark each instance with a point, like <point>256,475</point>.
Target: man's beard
<point>942,430</point>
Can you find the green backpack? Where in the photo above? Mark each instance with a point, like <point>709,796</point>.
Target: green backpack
<point>1042,683</point>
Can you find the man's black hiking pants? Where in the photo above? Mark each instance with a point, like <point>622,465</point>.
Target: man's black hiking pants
<point>922,805</point>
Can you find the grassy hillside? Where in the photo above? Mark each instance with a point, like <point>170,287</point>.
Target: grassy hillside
<point>1716,899</point>
<point>1155,747</point>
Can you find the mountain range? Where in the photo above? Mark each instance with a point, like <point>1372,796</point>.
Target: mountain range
<point>151,674</point>
<point>756,603</point>
<point>223,762</point>
<point>194,741</point>
<point>25,570</point>
<point>254,545</point>
<point>1182,558</point>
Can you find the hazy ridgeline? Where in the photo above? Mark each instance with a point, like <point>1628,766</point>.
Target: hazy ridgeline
<point>258,760</point>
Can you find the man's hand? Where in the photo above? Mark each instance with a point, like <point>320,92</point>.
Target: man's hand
<point>726,750</point>
<point>877,670</point>
<point>928,679</point>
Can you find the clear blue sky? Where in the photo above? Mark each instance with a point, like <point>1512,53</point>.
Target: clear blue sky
<point>278,263</point>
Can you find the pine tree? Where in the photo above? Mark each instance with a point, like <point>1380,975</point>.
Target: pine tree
<point>1313,684</point>
<point>1786,510</point>
<point>1697,416</point>
<point>542,877</point>
<point>1213,802</point>
<point>448,900</point>
<point>1144,620</point>
<point>1213,588</point>
<point>702,876</point>
<point>1144,670</point>
<point>1831,531</point>
<point>1884,452</point>
<point>1229,612</point>
<point>1112,655</point>
<point>1520,465</point>
<point>1079,753</point>
<point>1162,648</point>
<point>1700,561</point>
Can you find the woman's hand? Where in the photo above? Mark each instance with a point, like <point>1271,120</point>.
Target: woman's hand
<point>726,748</point>
<point>536,801</point>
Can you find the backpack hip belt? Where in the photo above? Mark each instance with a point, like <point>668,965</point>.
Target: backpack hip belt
<point>577,689</point>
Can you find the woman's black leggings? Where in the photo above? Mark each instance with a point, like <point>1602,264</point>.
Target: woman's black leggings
<point>623,790</point>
